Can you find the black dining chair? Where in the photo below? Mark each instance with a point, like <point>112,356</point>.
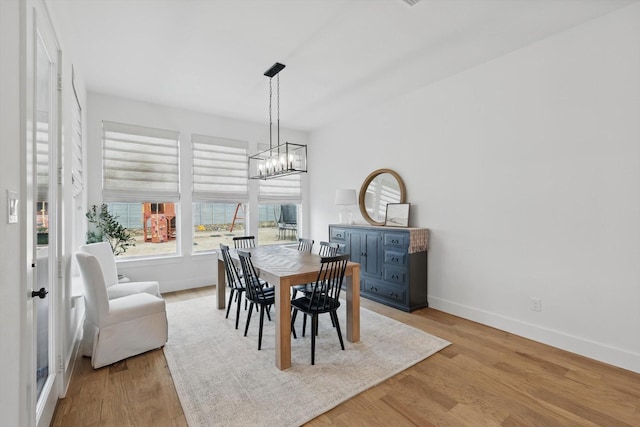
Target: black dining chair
<point>324,297</point>
<point>243,242</point>
<point>255,292</point>
<point>305,245</point>
<point>326,249</point>
<point>234,282</point>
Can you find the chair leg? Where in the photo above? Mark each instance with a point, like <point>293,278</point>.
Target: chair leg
<point>261,324</point>
<point>293,321</point>
<point>304,324</point>
<point>229,303</point>
<point>238,305</point>
<point>314,322</point>
<point>334,316</point>
<point>246,328</point>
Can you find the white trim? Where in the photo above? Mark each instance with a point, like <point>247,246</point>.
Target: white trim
<point>602,352</point>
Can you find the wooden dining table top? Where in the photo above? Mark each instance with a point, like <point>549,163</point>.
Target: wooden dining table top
<point>283,267</point>
<point>284,262</point>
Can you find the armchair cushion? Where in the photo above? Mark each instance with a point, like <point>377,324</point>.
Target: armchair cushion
<point>132,307</point>
<point>120,290</point>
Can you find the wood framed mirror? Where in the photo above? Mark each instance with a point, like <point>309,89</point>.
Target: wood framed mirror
<point>382,186</point>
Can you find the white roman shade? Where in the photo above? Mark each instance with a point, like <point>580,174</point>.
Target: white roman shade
<point>220,169</point>
<point>140,163</point>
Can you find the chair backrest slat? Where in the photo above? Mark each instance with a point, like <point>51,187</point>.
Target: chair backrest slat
<point>244,242</point>
<point>328,249</point>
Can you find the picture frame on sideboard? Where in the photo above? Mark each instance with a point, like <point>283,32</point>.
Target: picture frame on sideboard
<point>397,215</point>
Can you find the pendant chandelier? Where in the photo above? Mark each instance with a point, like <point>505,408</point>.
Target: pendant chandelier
<point>280,159</point>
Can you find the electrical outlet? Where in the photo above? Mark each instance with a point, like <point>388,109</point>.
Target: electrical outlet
<point>536,304</point>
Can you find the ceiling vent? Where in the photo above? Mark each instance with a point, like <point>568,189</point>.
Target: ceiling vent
<point>411,2</point>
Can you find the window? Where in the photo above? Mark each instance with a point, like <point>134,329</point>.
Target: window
<point>220,190</point>
<point>141,184</point>
<point>278,217</point>
<point>277,223</point>
<point>153,226</point>
<point>216,223</point>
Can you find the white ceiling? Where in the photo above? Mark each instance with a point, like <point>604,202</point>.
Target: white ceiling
<point>340,55</point>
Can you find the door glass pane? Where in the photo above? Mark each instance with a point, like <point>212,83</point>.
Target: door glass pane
<point>43,150</point>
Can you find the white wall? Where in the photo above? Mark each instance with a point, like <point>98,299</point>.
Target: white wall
<point>527,171</point>
<point>12,391</point>
<point>187,270</point>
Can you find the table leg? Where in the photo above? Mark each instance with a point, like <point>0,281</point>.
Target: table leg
<point>283,325</point>
<point>353,305</point>
<point>221,286</point>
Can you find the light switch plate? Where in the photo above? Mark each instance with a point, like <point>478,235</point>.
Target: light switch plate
<point>12,207</point>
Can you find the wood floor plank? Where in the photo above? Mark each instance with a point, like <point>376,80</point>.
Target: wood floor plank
<point>486,377</point>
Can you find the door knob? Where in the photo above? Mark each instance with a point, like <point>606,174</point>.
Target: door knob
<point>41,293</point>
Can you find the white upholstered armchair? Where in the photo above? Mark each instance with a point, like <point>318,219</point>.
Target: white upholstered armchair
<point>118,328</point>
<point>102,251</point>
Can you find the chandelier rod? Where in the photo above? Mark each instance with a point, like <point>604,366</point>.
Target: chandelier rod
<point>271,72</point>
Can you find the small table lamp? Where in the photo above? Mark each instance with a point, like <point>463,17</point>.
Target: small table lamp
<point>346,197</point>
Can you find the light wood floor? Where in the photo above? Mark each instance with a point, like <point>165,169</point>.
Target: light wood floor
<point>486,377</point>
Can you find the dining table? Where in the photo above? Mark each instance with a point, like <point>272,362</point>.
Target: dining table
<point>283,267</point>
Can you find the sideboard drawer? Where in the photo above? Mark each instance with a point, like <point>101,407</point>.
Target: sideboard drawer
<point>395,274</point>
<point>400,240</point>
<point>384,291</point>
<point>338,234</point>
<point>395,257</point>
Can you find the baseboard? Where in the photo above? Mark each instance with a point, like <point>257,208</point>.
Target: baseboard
<point>74,354</point>
<point>574,344</point>
<point>181,285</point>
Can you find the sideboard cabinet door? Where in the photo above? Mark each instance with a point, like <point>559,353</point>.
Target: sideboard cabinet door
<point>364,248</point>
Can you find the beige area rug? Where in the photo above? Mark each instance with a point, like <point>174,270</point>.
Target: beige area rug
<point>223,380</point>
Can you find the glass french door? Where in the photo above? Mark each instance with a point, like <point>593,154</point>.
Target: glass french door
<point>44,140</point>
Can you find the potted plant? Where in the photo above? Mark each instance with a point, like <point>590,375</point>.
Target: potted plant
<point>107,228</point>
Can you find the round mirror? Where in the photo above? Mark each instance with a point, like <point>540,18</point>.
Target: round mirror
<point>379,188</point>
